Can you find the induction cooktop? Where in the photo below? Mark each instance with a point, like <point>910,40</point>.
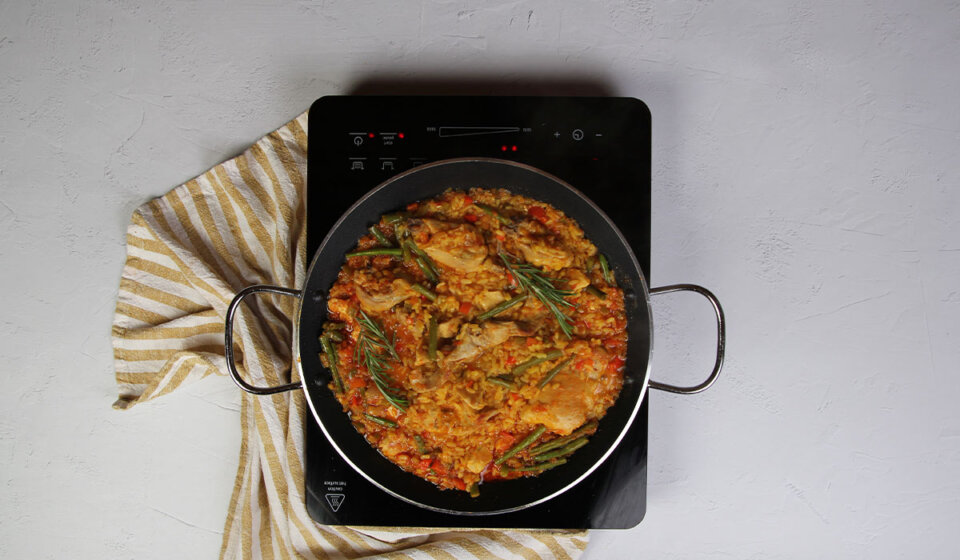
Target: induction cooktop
<point>600,145</point>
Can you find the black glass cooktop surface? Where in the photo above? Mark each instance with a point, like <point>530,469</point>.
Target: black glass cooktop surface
<point>600,145</point>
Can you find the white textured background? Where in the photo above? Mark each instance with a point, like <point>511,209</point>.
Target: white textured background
<point>806,164</point>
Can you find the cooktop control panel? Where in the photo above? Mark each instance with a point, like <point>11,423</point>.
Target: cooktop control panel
<point>601,146</point>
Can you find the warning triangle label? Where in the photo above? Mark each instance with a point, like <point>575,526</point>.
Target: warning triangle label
<point>335,501</point>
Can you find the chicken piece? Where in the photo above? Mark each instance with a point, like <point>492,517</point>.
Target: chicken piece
<point>474,339</point>
<point>460,247</point>
<point>538,252</point>
<point>424,379</point>
<point>478,460</point>
<point>592,362</point>
<point>471,397</point>
<point>488,412</point>
<point>444,420</point>
<point>574,279</point>
<point>562,405</point>
<point>392,445</point>
<point>420,357</point>
<point>398,291</point>
<point>489,298</point>
<point>429,225</point>
<point>448,328</point>
<point>340,309</point>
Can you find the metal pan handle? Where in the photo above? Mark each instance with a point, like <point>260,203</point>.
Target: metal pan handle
<point>228,339</point>
<point>721,338</point>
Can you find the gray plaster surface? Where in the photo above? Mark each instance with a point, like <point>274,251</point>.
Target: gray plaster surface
<point>805,168</point>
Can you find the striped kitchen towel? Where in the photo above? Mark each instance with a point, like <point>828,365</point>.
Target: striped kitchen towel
<point>188,253</point>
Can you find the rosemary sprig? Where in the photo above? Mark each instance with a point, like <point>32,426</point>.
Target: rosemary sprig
<point>375,335</point>
<point>373,349</point>
<point>531,279</point>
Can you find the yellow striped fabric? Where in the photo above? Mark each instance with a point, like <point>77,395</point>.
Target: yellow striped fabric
<point>188,253</point>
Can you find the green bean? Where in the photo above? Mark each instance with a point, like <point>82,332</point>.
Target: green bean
<point>596,291</point>
<point>605,267</point>
<point>534,468</point>
<point>332,359</point>
<point>561,441</point>
<point>334,336</point>
<point>421,447</point>
<point>424,292</point>
<point>394,218</point>
<point>419,252</point>
<point>553,372</point>
<point>517,370</point>
<point>381,238</point>
<point>501,307</point>
<point>423,261</point>
<point>375,252</point>
<point>382,421</point>
<point>425,269</point>
<point>330,326</point>
<point>522,445</point>
<point>493,212</point>
<point>501,381</point>
<point>400,232</point>
<point>432,339</point>
<point>563,451</point>
<point>474,490</point>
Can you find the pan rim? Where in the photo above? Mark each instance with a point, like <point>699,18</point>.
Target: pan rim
<point>646,299</point>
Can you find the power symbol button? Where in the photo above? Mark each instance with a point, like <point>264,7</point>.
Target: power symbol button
<point>577,134</point>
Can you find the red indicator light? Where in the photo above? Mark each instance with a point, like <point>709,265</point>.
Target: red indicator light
<point>370,135</point>
<point>503,148</point>
<point>513,148</point>
<point>400,135</point>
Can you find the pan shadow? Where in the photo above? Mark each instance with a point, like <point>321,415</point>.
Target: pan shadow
<point>667,413</point>
<point>481,84</point>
